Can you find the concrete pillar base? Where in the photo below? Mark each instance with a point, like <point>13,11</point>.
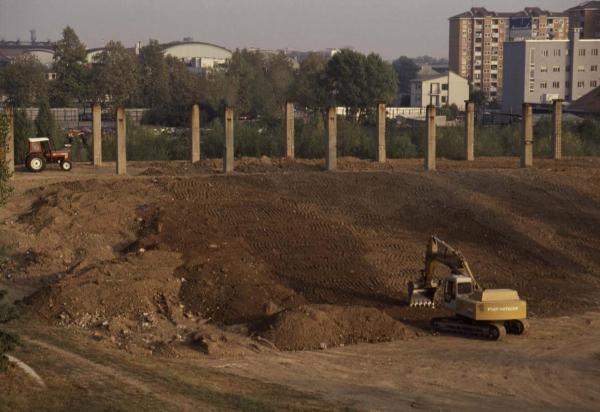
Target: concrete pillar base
<point>121,142</point>
<point>557,130</point>
<point>97,135</point>
<point>381,118</point>
<point>527,136</point>
<point>289,131</point>
<point>331,156</point>
<point>430,147</point>
<point>470,131</point>
<point>195,126</point>
<point>228,159</point>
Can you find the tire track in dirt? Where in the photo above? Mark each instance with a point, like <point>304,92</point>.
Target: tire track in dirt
<point>178,402</point>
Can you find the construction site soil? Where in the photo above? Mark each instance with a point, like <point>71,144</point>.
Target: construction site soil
<point>177,260</point>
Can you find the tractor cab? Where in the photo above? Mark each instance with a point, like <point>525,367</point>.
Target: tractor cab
<point>41,153</point>
<point>39,145</point>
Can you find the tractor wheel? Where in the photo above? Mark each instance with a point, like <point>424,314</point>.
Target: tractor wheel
<point>66,165</point>
<point>36,164</point>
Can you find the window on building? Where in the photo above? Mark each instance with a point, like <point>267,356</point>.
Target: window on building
<point>555,85</point>
<point>531,87</point>
<point>545,53</point>
<point>556,69</point>
<point>581,52</point>
<point>543,69</point>
<point>580,84</point>
<point>593,83</point>
<point>581,68</point>
<point>444,86</point>
<point>568,69</point>
<point>444,99</point>
<point>557,52</point>
<point>594,52</point>
<point>594,68</point>
<point>543,85</point>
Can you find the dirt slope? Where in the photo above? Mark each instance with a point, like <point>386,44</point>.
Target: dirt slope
<point>242,249</point>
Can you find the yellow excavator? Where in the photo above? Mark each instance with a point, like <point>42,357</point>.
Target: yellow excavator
<point>483,313</point>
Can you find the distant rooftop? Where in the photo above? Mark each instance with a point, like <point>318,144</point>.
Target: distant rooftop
<point>586,5</point>
<point>481,12</point>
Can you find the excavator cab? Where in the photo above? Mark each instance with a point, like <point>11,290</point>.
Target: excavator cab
<point>455,286</point>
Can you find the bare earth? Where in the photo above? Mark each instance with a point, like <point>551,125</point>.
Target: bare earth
<point>283,286</point>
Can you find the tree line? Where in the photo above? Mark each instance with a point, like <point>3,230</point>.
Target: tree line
<point>257,84</point>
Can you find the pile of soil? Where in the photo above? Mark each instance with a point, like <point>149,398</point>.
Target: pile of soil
<point>132,287</point>
<point>241,249</point>
<point>323,326</point>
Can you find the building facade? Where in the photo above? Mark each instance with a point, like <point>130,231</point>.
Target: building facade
<point>198,56</point>
<point>476,42</point>
<point>439,90</point>
<point>586,17</point>
<point>540,71</point>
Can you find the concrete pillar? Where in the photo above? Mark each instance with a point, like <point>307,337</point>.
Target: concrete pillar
<point>195,126</point>
<point>228,159</point>
<point>121,142</point>
<point>97,135</point>
<point>289,131</point>
<point>470,131</point>
<point>527,136</point>
<point>557,131</point>
<point>9,145</point>
<point>430,152</point>
<point>331,155</point>
<point>381,155</point>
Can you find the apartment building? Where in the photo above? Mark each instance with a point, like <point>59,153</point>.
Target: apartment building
<point>586,16</point>
<point>540,71</point>
<point>476,46</point>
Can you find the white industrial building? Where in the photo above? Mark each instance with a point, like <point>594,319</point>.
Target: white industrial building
<point>439,90</point>
<point>198,56</point>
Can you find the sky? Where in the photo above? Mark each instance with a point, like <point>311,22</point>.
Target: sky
<point>389,27</point>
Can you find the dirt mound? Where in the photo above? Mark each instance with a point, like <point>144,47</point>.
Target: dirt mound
<point>238,249</point>
<point>323,326</point>
<point>129,288</point>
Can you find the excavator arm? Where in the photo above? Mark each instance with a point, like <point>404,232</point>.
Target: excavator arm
<point>422,292</point>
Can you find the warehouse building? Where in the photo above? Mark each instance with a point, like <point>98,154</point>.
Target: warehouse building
<point>198,56</point>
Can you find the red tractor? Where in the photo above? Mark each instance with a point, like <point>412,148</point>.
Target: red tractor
<point>41,153</point>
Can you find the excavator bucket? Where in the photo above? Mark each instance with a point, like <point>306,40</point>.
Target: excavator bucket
<point>421,295</point>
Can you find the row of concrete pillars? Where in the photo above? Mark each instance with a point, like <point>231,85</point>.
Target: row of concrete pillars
<point>526,147</point>
<point>526,141</point>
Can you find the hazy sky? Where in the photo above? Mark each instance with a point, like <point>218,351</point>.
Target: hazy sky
<point>389,27</point>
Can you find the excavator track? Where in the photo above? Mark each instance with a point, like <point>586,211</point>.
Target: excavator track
<point>466,327</point>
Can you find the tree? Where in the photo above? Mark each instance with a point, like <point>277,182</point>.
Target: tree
<point>154,76</point>
<point>115,75</point>
<point>309,85</point>
<point>382,83</point>
<point>359,82</point>
<point>346,79</point>
<point>184,90</point>
<point>407,70</point>
<point>5,188</point>
<point>46,126</point>
<point>477,96</point>
<point>70,67</point>
<point>24,81</point>
<point>24,129</point>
